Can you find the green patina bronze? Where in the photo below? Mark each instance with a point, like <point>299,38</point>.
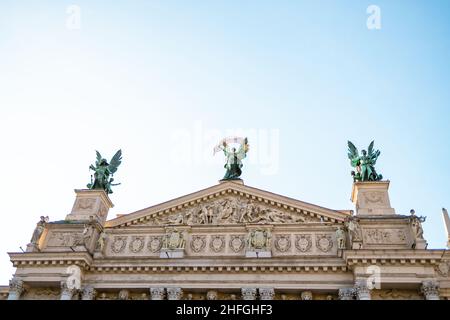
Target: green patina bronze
<point>104,171</point>
<point>234,157</point>
<point>364,163</point>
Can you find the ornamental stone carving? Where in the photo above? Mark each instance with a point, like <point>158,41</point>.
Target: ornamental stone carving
<point>346,293</point>
<point>157,293</point>
<point>303,242</point>
<point>212,295</point>
<point>430,290</point>
<point>217,243</point>
<point>67,292</point>
<point>266,293</point>
<point>174,293</point>
<point>118,244</point>
<point>230,210</point>
<point>124,294</point>
<point>443,268</point>
<point>15,288</point>
<point>259,239</point>
<point>173,239</point>
<point>154,243</point>
<point>88,293</point>
<point>237,243</point>
<point>362,290</point>
<point>136,244</point>
<point>198,243</point>
<point>282,242</point>
<point>324,242</point>
<point>101,242</point>
<point>248,293</point>
<point>85,204</point>
<point>385,236</point>
<point>340,238</point>
<point>306,295</point>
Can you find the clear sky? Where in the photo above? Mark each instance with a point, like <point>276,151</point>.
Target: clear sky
<point>165,80</point>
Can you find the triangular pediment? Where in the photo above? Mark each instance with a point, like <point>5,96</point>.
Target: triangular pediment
<point>229,202</point>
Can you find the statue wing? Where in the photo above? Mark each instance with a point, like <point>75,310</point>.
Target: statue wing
<point>242,152</point>
<point>352,152</point>
<point>115,162</point>
<point>370,149</point>
<point>99,158</point>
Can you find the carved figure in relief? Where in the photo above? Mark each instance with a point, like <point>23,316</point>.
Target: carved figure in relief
<point>176,219</point>
<point>102,242</point>
<point>416,224</point>
<point>354,229</point>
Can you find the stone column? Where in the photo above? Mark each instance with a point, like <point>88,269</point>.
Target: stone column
<point>88,293</point>
<point>174,293</point>
<point>157,293</point>
<point>266,293</point>
<point>346,293</point>
<point>15,288</point>
<point>248,293</point>
<point>67,292</point>
<point>430,289</point>
<point>362,290</point>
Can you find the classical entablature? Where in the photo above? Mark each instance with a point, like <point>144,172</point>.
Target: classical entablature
<point>232,241</point>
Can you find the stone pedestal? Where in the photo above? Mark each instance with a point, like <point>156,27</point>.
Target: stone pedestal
<point>372,198</point>
<point>95,203</point>
<point>258,254</point>
<point>171,254</point>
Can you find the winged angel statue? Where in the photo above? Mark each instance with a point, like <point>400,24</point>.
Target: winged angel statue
<point>234,158</point>
<point>364,163</point>
<point>104,171</point>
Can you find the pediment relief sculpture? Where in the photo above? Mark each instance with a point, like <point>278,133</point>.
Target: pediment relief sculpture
<point>230,210</point>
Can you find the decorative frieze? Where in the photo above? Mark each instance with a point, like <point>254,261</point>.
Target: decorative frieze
<point>324,242</point>
<point>198,243</point>
<point>282,242</point>
<point>303,242</point>
<point>217,243</point>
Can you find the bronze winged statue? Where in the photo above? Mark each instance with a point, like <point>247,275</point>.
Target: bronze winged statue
<point>364,163</point>
<point>234,157</point>
<point>104,171</point>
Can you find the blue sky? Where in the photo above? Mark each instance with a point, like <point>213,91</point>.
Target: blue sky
<point>300,78</point>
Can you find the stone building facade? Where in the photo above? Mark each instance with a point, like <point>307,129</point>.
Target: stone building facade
<point>232,241</point>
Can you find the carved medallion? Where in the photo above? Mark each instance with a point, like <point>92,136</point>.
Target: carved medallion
<point>283,242</point>
<point>154,243</point>
<point>136,244</point>
<point>118,244</point>
<point>217,243</point>
<point>324,242</point>
<point>198,243</point>
<point>303,242</point>
<point>85,203</point>
<point>237,243</point>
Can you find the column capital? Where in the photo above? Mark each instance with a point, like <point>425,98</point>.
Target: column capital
<point>174,293</point>
<point>157,293</point>
<point>430,289</point>
<point>266,293</point>
<point>16,288</point>
<point>89,293</point>
<point>346,293</point>
<point>362,290</point>
<point>248,293</point>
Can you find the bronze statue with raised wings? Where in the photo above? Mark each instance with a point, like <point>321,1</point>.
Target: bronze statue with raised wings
<point>104,171</point>
<point>364,163</point>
